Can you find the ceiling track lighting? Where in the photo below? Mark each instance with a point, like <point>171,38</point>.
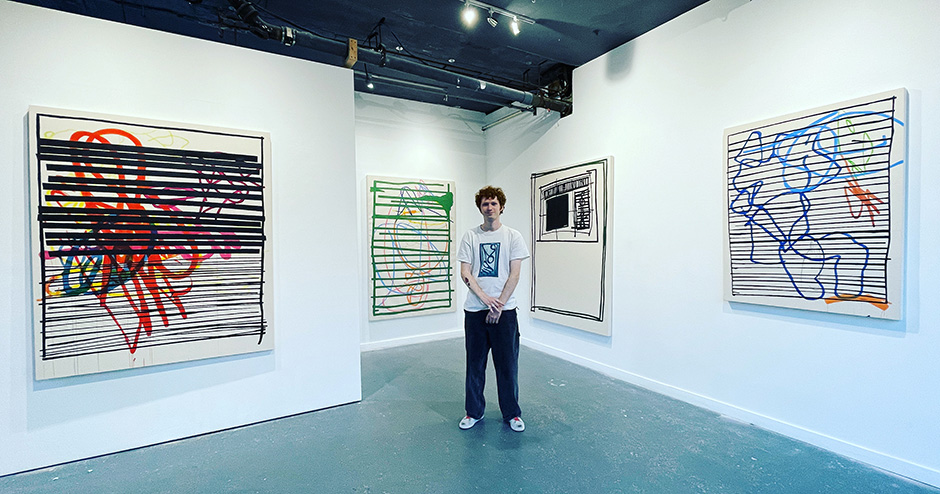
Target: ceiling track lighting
<point>369,83</point>
<point>470,15</point>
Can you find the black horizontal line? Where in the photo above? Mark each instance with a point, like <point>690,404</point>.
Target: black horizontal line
<point>770,141</point>
<point>48,227</point>
<point>153,243</point>
<point>146,343</point>
<point>161,235</point>
<point>90,252</point>
<point>196,178</point>
<point>80,214</point>
<point>214,185</point>
<point>162,202</point>
<point>85,145</point>
<point>887,104</point>
<point>152,192</point>
<point>208,169</point>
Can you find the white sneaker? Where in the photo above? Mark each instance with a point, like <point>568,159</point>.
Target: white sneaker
<point>468,422</point>
<point>517,424</point>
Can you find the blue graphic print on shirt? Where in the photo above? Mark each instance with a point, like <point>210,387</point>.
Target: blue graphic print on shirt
<point>489,260</point>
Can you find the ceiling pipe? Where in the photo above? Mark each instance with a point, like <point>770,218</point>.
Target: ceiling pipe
<point>290,36</point>
<point>421,92</point>
<point>461,89</point>
<point>504,119</point>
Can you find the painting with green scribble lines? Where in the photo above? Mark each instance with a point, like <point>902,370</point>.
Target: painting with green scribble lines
<point>411,237</point>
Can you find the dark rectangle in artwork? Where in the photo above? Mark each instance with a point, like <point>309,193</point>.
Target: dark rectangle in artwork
<point>556,212</point>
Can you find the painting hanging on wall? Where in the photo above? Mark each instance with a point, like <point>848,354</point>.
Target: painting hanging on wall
<point>815,205</point>
<point>570,245</point>
<point>150,241</point>
<point>411,235</point>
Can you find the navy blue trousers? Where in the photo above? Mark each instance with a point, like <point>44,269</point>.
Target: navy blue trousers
<point>502,339</point>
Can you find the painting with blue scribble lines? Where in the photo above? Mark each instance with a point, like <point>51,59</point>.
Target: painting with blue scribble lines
<point>815,205</point>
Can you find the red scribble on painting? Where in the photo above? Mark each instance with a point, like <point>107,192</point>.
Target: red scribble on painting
<point>152,283</point>
<point>866,201</point>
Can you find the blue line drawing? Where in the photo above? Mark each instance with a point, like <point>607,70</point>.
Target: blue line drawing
<point>809,205</point>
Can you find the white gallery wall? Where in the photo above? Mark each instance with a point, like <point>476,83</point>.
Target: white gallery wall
<point>61,60</point>
<point>407,139</point>
<point>866,388</point>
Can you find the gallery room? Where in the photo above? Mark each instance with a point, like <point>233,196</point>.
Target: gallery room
<point>232,264</point>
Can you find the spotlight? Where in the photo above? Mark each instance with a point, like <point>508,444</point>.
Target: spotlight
<point>469,15</point>
<point>369,83</point>
<point>514,26</point>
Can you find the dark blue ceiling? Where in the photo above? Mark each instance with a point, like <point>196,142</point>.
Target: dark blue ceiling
<point>566,34</point>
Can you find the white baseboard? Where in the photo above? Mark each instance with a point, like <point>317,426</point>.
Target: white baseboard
<point>410,340</point>
<point>891,464</point>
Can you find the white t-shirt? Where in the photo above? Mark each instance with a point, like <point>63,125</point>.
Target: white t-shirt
<point>488,254</point>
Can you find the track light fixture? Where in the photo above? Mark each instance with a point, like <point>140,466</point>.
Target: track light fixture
<point>470,15</point>
<point>369,83</point>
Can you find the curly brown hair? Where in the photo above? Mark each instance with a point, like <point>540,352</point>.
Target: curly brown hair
<point>488,192</point>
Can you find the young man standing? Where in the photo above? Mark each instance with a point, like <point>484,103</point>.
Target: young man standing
<point>490,258</point>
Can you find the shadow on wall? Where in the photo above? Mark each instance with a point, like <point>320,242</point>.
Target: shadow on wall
<point>856,324</point>
<point>619,62</point>
<point>570,332</point>
<point>912,227</point>
<point>620,59</point>
<point>512,139</point>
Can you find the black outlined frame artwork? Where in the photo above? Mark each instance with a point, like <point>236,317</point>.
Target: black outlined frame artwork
<point>570,250</point>
<point>150,242</point>
<point>815,204</point>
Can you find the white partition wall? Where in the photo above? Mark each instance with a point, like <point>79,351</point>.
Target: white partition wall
<point>65,61</point>
<point>401,138</point>
<point>659,105</point>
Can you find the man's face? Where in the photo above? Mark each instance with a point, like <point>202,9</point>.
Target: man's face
<point>490,207</point>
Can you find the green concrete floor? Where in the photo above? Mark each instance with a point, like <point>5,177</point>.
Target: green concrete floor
<point>586,433</point>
